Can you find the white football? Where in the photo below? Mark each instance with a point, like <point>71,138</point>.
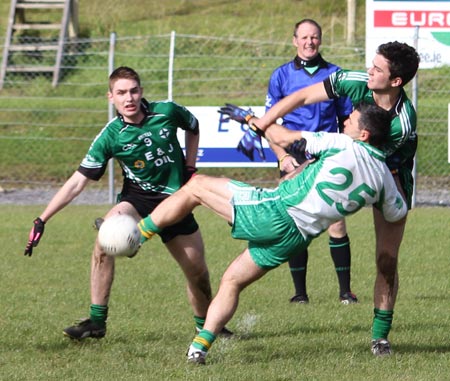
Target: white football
<point>119,236</point>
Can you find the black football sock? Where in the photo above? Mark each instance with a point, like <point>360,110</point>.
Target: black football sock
<point>298,267</point>
<point>340,252</point>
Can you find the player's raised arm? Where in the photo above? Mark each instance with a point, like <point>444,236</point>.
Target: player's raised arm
<point>308,95</point>
<point>282,136</point>
<point>251,141</point>
<point>291,141</point>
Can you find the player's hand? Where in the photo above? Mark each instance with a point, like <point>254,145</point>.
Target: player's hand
<point>250,142</point>
<point>236,113</point>
<point>189,171</point>
<point>287,164</point>
<point>295,172</point>
<point>35,236</point>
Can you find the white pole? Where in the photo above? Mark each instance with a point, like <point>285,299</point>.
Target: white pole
<point>448,122</point>
<point>171,58</point>
<point>111,193</point>
<point>351,21</point>
<point>414,102</point>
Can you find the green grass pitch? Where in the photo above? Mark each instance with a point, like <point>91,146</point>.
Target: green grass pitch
<point>150,324</point>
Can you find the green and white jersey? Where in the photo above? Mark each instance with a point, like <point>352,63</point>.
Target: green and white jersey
<point>403,139</point>
<point>149,154</point>
<point>346,176</point>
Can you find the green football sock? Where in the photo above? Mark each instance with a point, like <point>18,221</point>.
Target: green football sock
<point>199,321</point>
<point>382,322</point>
<point>148,228</point>
<point>203,340</point>
<point>99,314</point>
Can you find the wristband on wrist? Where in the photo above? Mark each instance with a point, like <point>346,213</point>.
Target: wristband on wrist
<point>257,130</point>
<point>280,161</point>
<point>248,117</point>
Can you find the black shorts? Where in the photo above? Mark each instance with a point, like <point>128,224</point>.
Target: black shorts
<point>145,203</point>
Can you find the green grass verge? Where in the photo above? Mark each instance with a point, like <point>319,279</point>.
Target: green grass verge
<point>150,325</point>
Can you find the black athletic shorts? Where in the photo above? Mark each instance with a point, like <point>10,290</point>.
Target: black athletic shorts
<point>144,203</point>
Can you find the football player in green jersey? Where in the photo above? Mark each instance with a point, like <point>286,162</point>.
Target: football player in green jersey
<point>393,66</point>
<point>143,139</point>
<point>348,173</point>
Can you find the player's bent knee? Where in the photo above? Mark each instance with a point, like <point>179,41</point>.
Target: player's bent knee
<point>202,283</point>
<point>99,257</point>
<point>196,184</point>
<point>337,230</point>
<point>195,181</point>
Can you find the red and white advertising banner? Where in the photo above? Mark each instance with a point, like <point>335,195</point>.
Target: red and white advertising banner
<point>405,21</point>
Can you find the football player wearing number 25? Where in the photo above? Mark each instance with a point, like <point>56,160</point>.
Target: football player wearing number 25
<point>348,173</point>
<point>394,65</point>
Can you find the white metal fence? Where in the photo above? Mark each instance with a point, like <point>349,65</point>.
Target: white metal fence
<point>45,131</point>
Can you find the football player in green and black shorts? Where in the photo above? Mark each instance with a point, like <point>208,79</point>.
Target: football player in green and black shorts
<point>143,139</point>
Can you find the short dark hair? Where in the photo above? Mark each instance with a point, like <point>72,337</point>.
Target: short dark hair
<point>123,72</point>
<point>403,60</point>
<point>308,21</point>
<point>375,120</point>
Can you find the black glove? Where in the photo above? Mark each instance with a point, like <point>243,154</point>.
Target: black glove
<point>188,173</point>
<point>236,113</point>
<point>298,151</point>
<point>35,236</point>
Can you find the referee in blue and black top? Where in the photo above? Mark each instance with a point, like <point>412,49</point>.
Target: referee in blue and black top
<point>307,68</point>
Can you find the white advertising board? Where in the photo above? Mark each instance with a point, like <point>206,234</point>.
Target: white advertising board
<point>388,20</point>
<point>219,139</point>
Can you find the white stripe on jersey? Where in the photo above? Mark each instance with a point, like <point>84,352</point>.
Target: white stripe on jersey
<point>405,123</point>
<point>358,76</point>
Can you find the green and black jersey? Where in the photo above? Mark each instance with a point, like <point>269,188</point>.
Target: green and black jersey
<point>403,125</point>
<point>402,145</point>
<point>149,154</point>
